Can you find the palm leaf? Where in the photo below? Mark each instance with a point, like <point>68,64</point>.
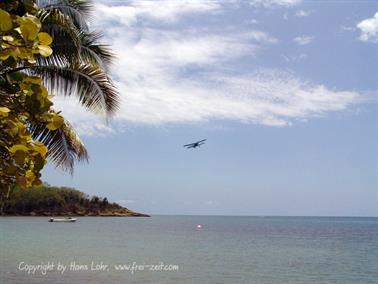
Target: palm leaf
<point>76,67</point>
<point>78,10</point>
<point>62,29</point>
<point>64,145</point>
<point>90,83</point>
<point>93,52</point>
<point>90,52</point>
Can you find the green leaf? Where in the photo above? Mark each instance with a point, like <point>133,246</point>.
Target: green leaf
<point>33,80</point>
<point>19,157</point>
<point>5,21</point>
<point>44,38</point>
<point>90,83</point>
<point>15,77</point>
<point>18,147</point>
<point>8,38</point>
<point>56,122</point>
<point>37,183</point>
<point>45,50</point>
<point>11,170</point>
<point>30,176</point>
<point>41,149</point>
<point>64,145</point>
<point>4,54</point>
<point>12,128</point>
<point>21,181</point>
<point>4,111</point>
<point>29,28</point>
<point>39,162</point>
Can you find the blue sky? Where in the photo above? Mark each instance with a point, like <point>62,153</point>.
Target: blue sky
<point>284,91</point>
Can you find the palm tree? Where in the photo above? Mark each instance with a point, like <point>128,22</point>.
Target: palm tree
<point>78,66</point>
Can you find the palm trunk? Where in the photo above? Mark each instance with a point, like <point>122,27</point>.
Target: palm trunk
<point>4,201</point>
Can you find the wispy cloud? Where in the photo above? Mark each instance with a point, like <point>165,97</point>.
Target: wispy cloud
<point>369,29</point>
<point>268,97</point>
<point>303,40</point>
<point>85,123</point>
<point>274,3</point>
<point>163,10</point>
<point>303,13</point>
<point>211,202</point>
<point>180,74</point>
<point>293,58</point>
<point>252,21</point>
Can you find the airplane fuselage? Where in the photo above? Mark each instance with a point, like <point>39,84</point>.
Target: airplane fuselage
<point>195,144</point>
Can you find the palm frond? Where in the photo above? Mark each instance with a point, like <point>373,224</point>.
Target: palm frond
<point>93,52</point>
<point>90,52</point>
<point>76,67</point>
<point>78,10</point>
<point>62,29</point>
<point>64,145</point>
<point>90,83</point>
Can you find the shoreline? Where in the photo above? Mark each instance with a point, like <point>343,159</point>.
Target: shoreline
<point>128,213</point>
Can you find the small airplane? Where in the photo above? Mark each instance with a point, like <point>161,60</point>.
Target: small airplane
<point>195,144</point>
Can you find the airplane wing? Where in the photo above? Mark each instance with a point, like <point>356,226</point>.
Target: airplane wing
<point>189,145</point>
<point>195,143</point>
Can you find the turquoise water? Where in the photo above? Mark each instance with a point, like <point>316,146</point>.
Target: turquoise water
<point>170,249</point>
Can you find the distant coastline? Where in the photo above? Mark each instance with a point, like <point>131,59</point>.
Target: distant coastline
<point>62,201</point>
<point>113,213</point>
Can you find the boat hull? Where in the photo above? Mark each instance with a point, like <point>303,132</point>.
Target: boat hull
<point>65,220</point>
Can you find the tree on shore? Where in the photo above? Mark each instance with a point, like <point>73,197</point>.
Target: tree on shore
<point>47,49</point>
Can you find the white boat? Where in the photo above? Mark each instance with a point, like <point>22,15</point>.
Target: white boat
<point>68,219</point>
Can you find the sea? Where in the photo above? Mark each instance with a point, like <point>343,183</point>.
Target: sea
<point>189,249</point>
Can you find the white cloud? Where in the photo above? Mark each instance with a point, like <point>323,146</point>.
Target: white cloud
<point>369,29</point>
<point>303,13</point>
<point>275,3</point>
<point>293,58</point>
<point>157,48</point>
<point>303,40</point>
<point>183,75</point>
<point>211,202</point>
<point>266,97</point>
<point>252,21</point>
<point>85,123</point>
<point>162,11</point>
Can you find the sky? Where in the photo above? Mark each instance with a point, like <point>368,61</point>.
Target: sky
<point>284,91</point>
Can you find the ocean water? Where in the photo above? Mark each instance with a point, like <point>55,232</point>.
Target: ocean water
<point>171,249</point>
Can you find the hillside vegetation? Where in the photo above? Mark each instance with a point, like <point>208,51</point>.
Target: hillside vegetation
<point>58,201</point>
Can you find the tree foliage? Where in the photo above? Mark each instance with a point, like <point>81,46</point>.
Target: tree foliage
<point>49,200</point>
<point>24,101</point>
<point>47,49</point>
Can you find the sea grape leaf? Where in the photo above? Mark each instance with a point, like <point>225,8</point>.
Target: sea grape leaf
<point>5,21</point>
